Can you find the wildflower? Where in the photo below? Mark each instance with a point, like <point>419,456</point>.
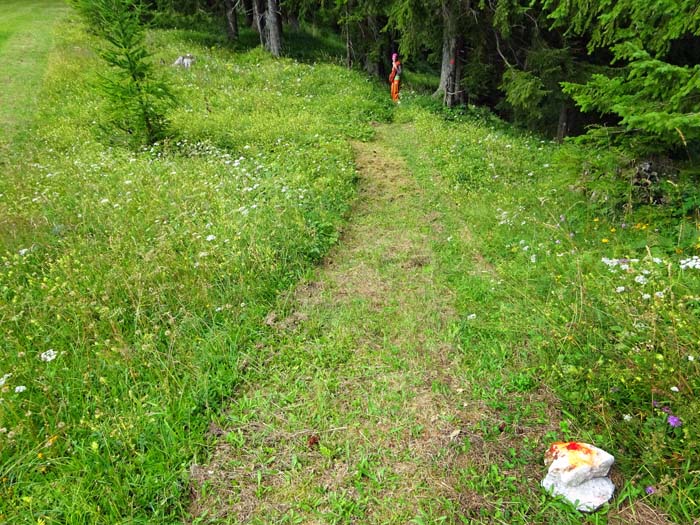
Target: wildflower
<point>674,389</point>
<point>20,388</point>
<point>24,251</point>
<point>533,258</point>
<point>693,262</point>
<point>49,355</point>
<point>646,296</point>
<point>604,241</point>
<point>691,358</point>
<point>650,490</point>
<point>674,421</point>
<point>627,417</point>
<point>659,295</point>
<point>640,279</point>
<point>620,289</point>
<point>656,260</point>
<point>211,238</point>
<point>471,317</point>
<point>4,379</point>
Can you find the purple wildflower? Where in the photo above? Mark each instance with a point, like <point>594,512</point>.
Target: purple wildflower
<point>667,410</point>
<point>674,421</point>
<point>650,490</point>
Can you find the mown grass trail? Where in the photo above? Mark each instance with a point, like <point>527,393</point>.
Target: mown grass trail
<point>26,37</point>
<point>367,409</point>
<point>400,384</point>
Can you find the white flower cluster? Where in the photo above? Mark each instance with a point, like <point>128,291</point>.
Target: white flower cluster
<point>49,355</point>
<point>623,264</point>
<point>693,262</point>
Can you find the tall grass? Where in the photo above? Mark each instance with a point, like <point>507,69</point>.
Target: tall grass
<point>597,287</point>
<point>133,284</point>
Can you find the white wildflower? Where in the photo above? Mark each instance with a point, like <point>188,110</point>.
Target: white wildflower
<point>24,251</point>
<point>620,289</point>
<point>627,417</point>
<point>4,379</point>
<point>646,296</point>
<point>674,389</point>
<point>693,262</point>
<point>49,355</point>
<point>660,295</point>
<point>211,238</point>
<point>691,358</point>
<point>640,279</point>
<point>471,317</point>
<point>19,389</point>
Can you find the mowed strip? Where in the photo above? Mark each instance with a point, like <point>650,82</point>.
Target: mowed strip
<point>359,408</point>
<point>26,36</point>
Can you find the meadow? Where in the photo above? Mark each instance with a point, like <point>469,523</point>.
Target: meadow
<point>592,288</point>
<point>135,284</point>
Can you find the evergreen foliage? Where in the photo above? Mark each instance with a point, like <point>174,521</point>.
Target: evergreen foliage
<point>655,92</point>
<point>138,99</point>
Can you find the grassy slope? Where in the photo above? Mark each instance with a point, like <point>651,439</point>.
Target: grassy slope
<point>26,36</point>
<point>617,346</point>
<point>206,231</point>
<point>132,281</point>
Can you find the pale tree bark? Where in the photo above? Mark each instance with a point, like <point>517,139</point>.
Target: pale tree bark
<point>273,28</point>
<point>259,19</point>
<point>231,18</point>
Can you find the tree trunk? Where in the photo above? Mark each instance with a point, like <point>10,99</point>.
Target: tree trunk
<point>231,19</point>
<point>259,19</point>
<point>372,58</point>
<point>563,125</point>
<point>348,40</point>
<point>451,69</point>
<point>273,28</point>
<point>449,44</point>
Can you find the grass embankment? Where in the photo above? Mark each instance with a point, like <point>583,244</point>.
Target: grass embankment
<point>26,36</point>
<point>132,282</point>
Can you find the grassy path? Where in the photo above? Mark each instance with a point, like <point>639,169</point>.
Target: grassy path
<point>26,37</point>
<point>367,409</point>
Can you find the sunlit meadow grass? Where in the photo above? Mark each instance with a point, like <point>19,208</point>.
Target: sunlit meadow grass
<point>132,282</point>
<point>602,295</point>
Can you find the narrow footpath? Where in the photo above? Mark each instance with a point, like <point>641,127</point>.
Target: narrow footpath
<point>364,410</point>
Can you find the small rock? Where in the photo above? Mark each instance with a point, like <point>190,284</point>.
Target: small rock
<point>578,471</point>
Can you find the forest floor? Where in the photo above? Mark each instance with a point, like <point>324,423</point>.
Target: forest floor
<point>366,409</point>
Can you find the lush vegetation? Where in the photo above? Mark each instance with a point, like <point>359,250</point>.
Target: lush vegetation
<point>132,279</point>
<point>558,67</point>
<point>136,281</point>
<point>596,276</point>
